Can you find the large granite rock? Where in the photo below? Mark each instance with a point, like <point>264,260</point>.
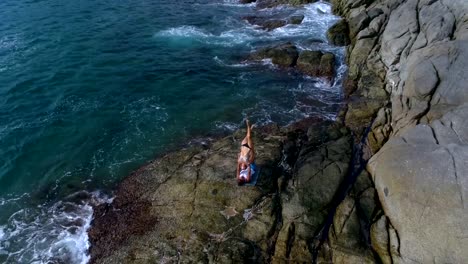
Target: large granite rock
<point>284,55</point>
<point>412,57</point>
<point>316,63</point>
<point>273,3</point>
<point>271,23</point>
<point>266,23</point>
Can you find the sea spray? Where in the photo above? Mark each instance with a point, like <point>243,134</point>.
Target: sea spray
<point>50,233</point>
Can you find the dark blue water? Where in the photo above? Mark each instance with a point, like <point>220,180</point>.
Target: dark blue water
<point>91,90</point>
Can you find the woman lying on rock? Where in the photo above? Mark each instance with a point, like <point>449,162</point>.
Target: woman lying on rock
<point>246,158</point>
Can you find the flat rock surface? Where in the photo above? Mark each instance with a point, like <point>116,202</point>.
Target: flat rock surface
<point>185,205</point>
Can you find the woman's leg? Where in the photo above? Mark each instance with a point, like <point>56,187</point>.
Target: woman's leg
<point>247,139</point>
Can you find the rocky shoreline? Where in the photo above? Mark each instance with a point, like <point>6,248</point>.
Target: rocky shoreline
<point>386,183</point>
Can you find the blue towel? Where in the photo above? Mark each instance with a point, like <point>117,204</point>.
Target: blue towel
<point>255,173</point>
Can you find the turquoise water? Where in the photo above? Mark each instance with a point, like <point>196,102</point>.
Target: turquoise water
<point>91,90</point>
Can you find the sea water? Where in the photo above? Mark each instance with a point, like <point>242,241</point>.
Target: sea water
<point>91,90</point>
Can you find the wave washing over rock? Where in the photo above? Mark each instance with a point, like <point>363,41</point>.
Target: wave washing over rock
<point>385,183</point>
<point>50,233</point>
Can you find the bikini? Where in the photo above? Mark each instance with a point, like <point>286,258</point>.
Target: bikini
<point>245,158</point>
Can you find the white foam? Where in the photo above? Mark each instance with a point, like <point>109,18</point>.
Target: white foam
<point>8,42</point>
<point>234,65</point>
<point>236,3</point>
<point>184,31</point>
<point>2,234</point>
<point>50,233</point>
<point>317,19</point>
<point>230,3</point>
<point>232,37</point>
<point>227,126</point>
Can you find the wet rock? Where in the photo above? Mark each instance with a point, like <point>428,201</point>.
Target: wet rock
<point>327,65</point>
<point>273,24</point>
<point>295,20</point>
<point>266,23</point>
<point>273,3</point>
<point>338,34</point>
<point>284,55</point>
<point>269,23</point>
<point>309,62</point>
<point>247,1</point>
<point>314,41</point>
<point>316,63</point>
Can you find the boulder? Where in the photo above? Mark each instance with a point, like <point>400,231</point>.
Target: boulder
<point>338,34</point>
<point>296,20</point>
<point>268,23</point>
<point>273,3</point>
<point>273,24</point>
<point>284,55</point>
<point>309,62</point>
<point>327,65</point>
<point>316,63</point>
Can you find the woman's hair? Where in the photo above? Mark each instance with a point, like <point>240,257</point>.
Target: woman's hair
<point>241,181</point>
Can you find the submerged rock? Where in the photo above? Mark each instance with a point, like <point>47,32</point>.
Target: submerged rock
<point>273,3</point>
<point>316,63</point>
<point>296,20</point>
<point>309,62</point>
<point>284,55</point>
<point>268,23</point>
<point>273,24</point>
<point>327,65</point>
